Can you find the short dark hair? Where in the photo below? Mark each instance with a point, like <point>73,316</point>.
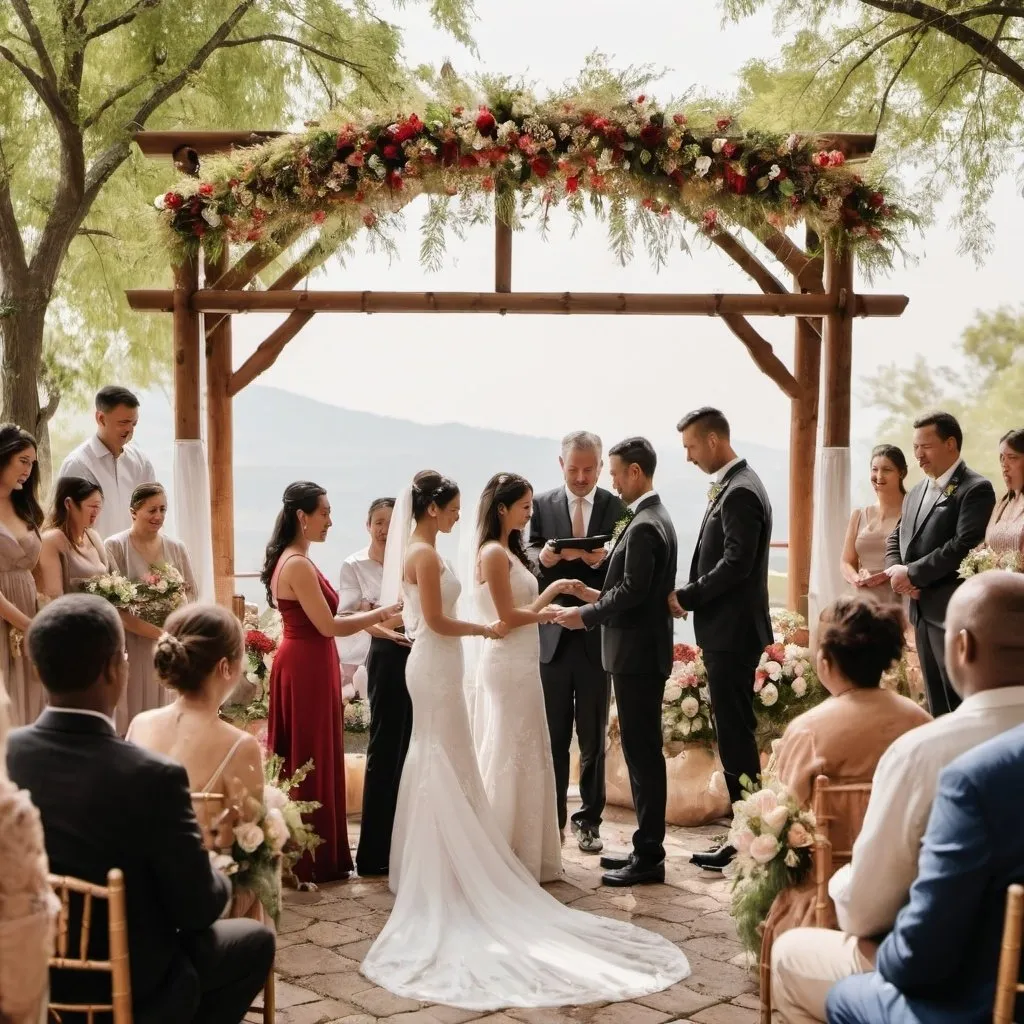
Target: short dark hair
<point>709,419</point>
<point>945,424</point>
<point>377,504</point>
<point>637,451</point>
<point>862,638</point>
<point>110,397</point>
<point>72,640</point>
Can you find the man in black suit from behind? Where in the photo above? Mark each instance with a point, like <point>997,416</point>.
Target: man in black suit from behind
<point>728,594</point>
<point>944,517</point>
<point>106,803</point>
<point>636,648</point>
<point>576,686</point>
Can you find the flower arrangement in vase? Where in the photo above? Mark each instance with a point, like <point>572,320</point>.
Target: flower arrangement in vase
<point>262,638</point>
<point>785,685</point>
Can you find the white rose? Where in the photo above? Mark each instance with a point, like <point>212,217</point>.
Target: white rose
<point>211,217</point>
<point>769,694</point>
<point>764,848</point>
<point>682,730</point>
<point>775,820</point>
<point>161,587</point>
<point>799,687</point>
<point>159,202</point>
<point>276,829</point>
<point>252,677</point>
<point>717,145</point>
<point>774,172</point>
<point>690,706</point>
<point>702,165</point>
<point>773,670</point>
<point>249,836</point>
<point>672,694</point>
<point>274,798</point>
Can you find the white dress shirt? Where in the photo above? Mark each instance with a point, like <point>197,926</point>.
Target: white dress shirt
<point>721,474</point>
<point>588,507</point>
<point>933,492</point>
<point>869,892</point>
<point>83,711</point>
<point>634,505</point>
<point>360,580</point>
<point>94,461</point>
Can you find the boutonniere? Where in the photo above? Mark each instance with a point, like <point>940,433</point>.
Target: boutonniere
<point>621,525</point>
<point>714,491</point>
<point>950,490</point>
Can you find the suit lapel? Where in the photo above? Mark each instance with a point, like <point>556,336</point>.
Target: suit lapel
<point>601,500</point>
<point>954,482</point>
<point>563,518</point>
<point>712,505</point>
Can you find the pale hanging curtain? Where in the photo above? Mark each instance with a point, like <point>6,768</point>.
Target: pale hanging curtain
<point>831,517</point>
<point>192,511</point>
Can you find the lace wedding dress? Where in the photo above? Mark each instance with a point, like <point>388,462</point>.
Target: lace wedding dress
<point>470,927</point>
<point>511,734</point>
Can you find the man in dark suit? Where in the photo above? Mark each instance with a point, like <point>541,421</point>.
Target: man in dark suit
<point>944,517</point>
<point>108,804</point>
<point>938,964</point>
<point>576,686</point>
<point>636,648</point>
<point>728,595</point>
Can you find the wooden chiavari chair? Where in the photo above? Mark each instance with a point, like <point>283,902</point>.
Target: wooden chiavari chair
<point>824,860</point>
<point>207,807</point>
<point>1008,987</point>
<point>120,1005</point>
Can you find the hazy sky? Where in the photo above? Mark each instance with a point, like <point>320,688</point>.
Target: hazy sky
<point>630,374</point>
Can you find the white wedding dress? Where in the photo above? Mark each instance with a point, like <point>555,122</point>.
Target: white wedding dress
<point>513,746</point>
<point>470,927</point>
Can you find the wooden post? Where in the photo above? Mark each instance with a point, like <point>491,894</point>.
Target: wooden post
<point>803,444</point>
<point>186,351</point>
<point>220,443</point>
<point>502,254</point>
<point>838,340</point>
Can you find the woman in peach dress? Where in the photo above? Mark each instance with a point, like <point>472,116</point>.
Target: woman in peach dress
<point>199,657</point>
<point>1005,531</point>
<point>845,736</point>
<point>72,550</point>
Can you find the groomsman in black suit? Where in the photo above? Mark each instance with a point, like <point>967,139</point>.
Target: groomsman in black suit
<point>728,595</point>
<point>944,517</point>
<point>576,686</point>
<point>106,803</point>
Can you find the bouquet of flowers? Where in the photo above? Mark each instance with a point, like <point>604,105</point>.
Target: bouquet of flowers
<point>160,592</point>
<point>357,716</point>
<point>785,685</point>
<point>773,838</point>
<point>120,591</point>
<point>269,839</point>
<point>262,638</point>
<point>984,559</point>
<point>686,703</point>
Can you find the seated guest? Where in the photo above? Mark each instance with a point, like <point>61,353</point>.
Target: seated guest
<point>28,907</point>
<point>869,892</point>
<point>109,804</point>
<point>200,657</point>
<point>71,550</point>
<point>845,736</point>
<point>939,962</point>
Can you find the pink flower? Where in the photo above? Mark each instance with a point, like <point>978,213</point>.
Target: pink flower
<point>742,840</point>
<point>798,837</point>
<point>764,848</point>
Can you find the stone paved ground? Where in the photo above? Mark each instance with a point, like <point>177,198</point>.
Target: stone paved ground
<point>324,935</point>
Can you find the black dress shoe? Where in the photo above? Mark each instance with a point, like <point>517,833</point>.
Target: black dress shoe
<point>373,872</point>
<point>714,860</point>
<point>635,873</point>
<point>613,863</point>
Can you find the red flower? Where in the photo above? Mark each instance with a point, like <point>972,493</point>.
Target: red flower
<point>319,217</point>
<point>877,200</point>
<point>449,153</point>
<point>369,146</point>
<point>173,201</point>
<point>254,235</point>
<point>346,137</point>
<point>685,652</point>
<point>487,183</point>
<point>485,122</point>
<point>199,230</point>
<point>832,158</point>
<point>405,130</point>
<point>369,218</point>
<point>394,180</point>
<point>540,165</point>
<point>641,99</point>
<point>458,111</point>
<point>206,189</point>
<point>597,182</point>
<point>647,203</point>
<point>679,119</point>
<point>734,180</point>
<point>709,221</point>
<point>257,640</point>
<point>467,161</point>
<point>723,122</point>
<point>776,652</point>
<point>730,149</point>
<point>390,151</point>
<point>572,183</point>
<point>355,159</point>
<point>651,135</point>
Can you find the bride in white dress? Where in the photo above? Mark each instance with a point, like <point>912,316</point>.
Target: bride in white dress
<point>511,729</point>
<point>470,927</point>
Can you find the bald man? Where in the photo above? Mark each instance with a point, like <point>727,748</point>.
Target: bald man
<point>985,659</point>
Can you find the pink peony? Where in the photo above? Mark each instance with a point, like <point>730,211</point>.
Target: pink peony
<point>764,848</point>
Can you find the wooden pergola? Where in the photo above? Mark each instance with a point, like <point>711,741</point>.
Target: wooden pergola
<point>821,300</point>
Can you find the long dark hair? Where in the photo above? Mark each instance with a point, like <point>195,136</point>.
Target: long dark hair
<point>301,496</point>
<point>14,440</point>
<point>69,488</point>
<point>431,488</point>
<point>502,489</point>
<point>896,457</point>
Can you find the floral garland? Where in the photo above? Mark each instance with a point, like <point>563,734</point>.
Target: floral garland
<point>686,703</point>
<point>563,150</point>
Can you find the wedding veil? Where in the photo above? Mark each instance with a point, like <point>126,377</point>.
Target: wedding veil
<point>395,549</point>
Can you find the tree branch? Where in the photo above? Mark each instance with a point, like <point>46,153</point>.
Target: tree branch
<point>892,80</point>
<point>273,37</point>
<point>13,266</point>
<point>808,270</point>
<point>763,354</point>
<point>25,17</point>
<point>122,19</point>
<point>90,119</point>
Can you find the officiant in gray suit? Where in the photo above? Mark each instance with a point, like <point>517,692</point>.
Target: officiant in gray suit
<point>576,686</point>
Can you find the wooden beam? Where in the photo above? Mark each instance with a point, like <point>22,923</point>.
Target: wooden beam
<point>502,256</point>
<point>749,263</point>
<point>762,353</point>
<point>220,443</point>
<point>588,303</point>
<point>258,257</point>
<point>807,270</point>
<point>186,350</point>
<point>838,347</point>
<point>268,350</point>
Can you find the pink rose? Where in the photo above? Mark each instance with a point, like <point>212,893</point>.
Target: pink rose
<point>798,836</point>
<point>742,840</point>
<point>764,849</point>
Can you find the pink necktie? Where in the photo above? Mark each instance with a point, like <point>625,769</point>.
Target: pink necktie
<point>578,529</point>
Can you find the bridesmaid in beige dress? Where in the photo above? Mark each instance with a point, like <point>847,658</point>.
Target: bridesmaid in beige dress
<point>20,519</point>
<point>72,550</point>
<point>864,550</point>
<point>132,554</point>
<point>1006,527</point>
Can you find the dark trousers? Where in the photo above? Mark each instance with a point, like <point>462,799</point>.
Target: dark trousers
<point>577,690</point>
<point>390,729</point>
<point>638,701</point>
<point>731,684</point>
<point>931,651</point>
<point>217,977</point>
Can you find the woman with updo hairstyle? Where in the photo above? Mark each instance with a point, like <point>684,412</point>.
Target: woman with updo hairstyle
<point>305,680</point>
<point>199,658</point>
<point>72,551</point>
<point>134,553</point>
<point>843,737</point>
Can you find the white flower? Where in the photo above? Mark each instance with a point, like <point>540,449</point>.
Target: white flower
<point>773,670</point>
<point>249,836</point>
<point>672,694</point>
<point>790,144</point>
<point>213,219</point>
<point>682,729</point>
<point>276,829</point>
<point>702,165</point>
<point>764,848</point>
<point>775,820</point>
<point>718,145</point>
<point>741,838</point>
<point>268,660</point>
<point>274,798</point>
<point>690,706</point>
<point>159,202</point>
<point>769,694</point>
<point>251,677</point>
<point>791,859</point>
<point>774,172</point>
<point>799,687</point>
<point>224,863</point>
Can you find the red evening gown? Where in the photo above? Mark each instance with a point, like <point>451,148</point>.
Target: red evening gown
<point>306,722</point>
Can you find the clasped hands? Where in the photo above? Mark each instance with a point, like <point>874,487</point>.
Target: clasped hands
<point>899,580</point>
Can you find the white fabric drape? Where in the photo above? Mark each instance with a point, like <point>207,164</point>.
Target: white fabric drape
<point>831,517</point>
<point>192,511</point>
